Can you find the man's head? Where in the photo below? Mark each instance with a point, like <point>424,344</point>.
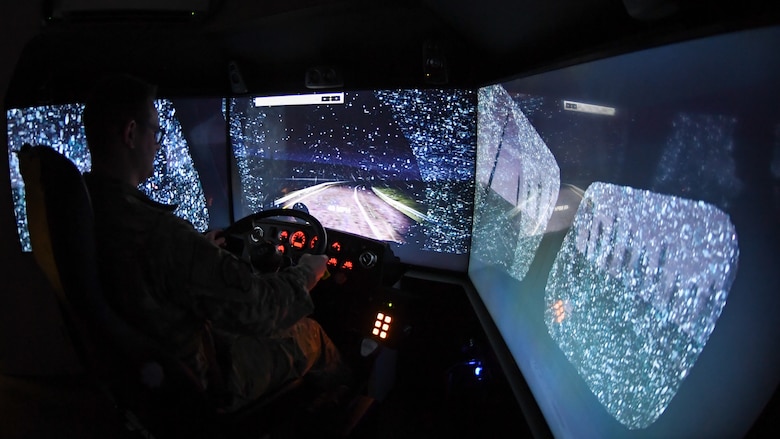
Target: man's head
<point>122,126</point>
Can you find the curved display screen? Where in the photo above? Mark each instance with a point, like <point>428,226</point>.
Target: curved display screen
<point>626,236</point>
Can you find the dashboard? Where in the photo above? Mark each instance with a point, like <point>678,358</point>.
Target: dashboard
<point>355,261</point>
<point>272,243</point>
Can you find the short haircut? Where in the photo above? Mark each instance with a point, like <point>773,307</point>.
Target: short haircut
<point>114,101</point>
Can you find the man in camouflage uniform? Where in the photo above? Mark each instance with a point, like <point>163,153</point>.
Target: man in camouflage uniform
<point>174,283</point>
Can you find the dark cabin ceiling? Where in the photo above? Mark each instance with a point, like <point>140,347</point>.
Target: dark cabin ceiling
<point>378,44</point>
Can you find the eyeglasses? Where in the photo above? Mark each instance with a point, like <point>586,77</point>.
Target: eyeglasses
<point>159,133</point>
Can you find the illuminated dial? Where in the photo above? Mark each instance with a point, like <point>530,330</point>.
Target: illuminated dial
<point>313,241</point>
<point>257,234</point>
<point>283,235</point>
<point>298,239</point>
<point>367,259</point>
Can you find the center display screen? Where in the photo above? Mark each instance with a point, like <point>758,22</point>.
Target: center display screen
<point>392,165</point>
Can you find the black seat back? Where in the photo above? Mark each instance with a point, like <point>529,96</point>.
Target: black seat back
<point>145,382</point>
<point>136,372</point>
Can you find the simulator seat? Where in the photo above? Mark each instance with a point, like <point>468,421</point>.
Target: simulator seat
<point>155,392</point>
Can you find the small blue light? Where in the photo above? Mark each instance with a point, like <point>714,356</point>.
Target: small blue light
<point>477,371</point>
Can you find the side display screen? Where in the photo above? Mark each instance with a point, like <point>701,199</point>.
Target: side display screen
<point>625,236</point>
<point>176,179</point>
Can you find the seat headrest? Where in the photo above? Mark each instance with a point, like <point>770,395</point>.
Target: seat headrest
<point>59,210</point>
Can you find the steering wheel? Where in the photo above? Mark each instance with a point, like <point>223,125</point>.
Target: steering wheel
<point>270,238</point>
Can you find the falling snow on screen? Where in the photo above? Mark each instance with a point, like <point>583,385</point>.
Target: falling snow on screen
<point>175,179</point>
<point>391,165</point>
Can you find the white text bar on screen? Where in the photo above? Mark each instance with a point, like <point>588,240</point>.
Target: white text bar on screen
<point>588,108</point>
<point>308,99</point>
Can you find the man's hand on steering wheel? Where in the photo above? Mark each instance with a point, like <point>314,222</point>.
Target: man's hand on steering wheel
<point>317,264</point>
<point>217,237</point>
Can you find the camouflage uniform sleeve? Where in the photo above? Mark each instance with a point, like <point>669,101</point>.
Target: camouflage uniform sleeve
<point>226,290</point>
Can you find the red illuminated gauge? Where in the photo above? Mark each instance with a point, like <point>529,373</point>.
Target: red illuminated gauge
<point>313,241</point>
<point>336,247</point>
<point>298,240</point>
<point>280,248</point>
<point>333,262</point>
<point>347,265</point>
<point>283,235</point>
